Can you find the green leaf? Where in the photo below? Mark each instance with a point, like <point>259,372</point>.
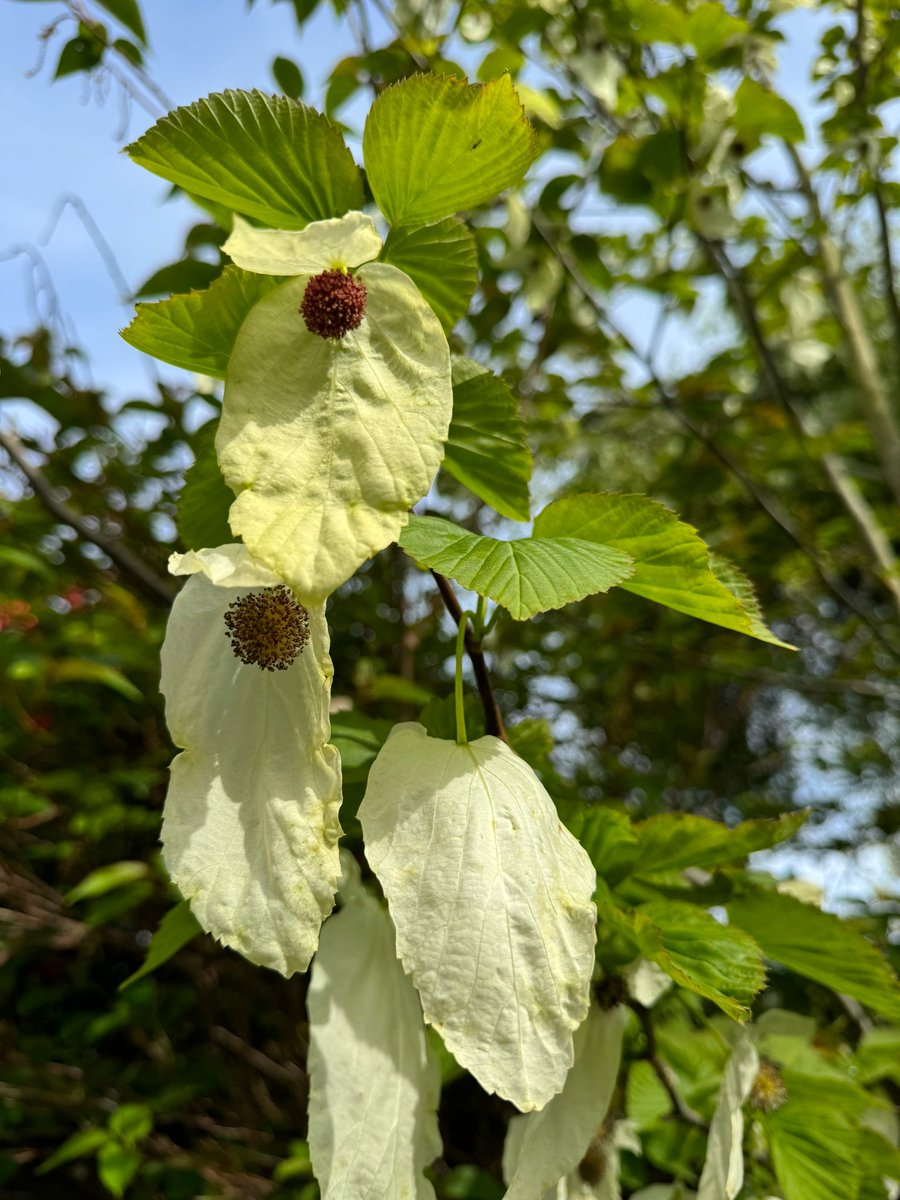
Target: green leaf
<point>84,670</point>
<point>442,262</point>
<point>672,562</point>
<point>202,512</point>
<point>711,28</point>
<point>532,740</point>
<point>526,576</point>
<point>672,841</point>
<point>486,449</point>
<point>288,76</point>
<point>267,156</point>
<point>176,929</point>
<point>128,14</point>
<point>433,146</point>
<point>820,946</point>
<point>105,879</point>
<point>358,739</point>
<point>198,331</point>
<point>131,1122</point>
<point>184,276</point>
<point>85,1141</point>
<point>760,111</point>
<point>439,717</point>
<point>720,962</point>
<point>117,1165</point>
<point>814,1148</point>
<point>609,838</point>
<point>81,53</point>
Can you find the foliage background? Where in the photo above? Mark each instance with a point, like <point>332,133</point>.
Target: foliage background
<point>663,300</point>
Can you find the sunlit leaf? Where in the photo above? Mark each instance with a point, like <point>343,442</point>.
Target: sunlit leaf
<point>672,562</point>
<point>198,331</point>
<point>267,156</point>
<point>434,146</point>
<point>819,945</point>
<point>527,575</point>
<point>486,448</point>
<point>442,262</point>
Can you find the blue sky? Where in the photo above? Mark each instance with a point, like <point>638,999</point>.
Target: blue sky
<point>63,143</point>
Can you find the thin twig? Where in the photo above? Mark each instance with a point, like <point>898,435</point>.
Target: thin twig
<point>124,558</point>
<point>763,498</point>
<point>867,522</point>
<point>493,721</point>
<point>663,1071</point>
<point>845,304</point>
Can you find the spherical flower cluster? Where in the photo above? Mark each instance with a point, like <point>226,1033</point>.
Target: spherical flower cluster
<point>268,629</point>
<point>333,304</point>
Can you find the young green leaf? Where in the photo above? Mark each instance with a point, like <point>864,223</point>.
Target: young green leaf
<point>176,929</point>
<point>672,562</point>
<point>717,961</point>
<point>819,945</point>
<point>374,1086</point>
<point>198,331</point>
<point>760,111</point>
<point>672,841</point>
<point>267,156</point>
<point>202,512</point>
<point>527,575</point>
<point>486,449</point>
<point>129,14</point>
<point>543,1147</point>
<point>442,262</point>
<point>434,146</point>
<point>814,1147</point>
<point>491,900</point>
<point>328,443</point>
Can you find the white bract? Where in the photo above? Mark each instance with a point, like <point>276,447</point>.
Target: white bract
<point>491,899</point>
<point>328,442</point>
<point>543,1148</point>
<point>374,1087</point>
<point>250,826</point>
<point>723,1172</point>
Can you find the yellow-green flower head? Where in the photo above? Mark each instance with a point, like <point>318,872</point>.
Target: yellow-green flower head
<point>337,402</point>
<point>250,825</point>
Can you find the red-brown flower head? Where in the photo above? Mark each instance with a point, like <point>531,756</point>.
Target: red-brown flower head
<point>333,304</point>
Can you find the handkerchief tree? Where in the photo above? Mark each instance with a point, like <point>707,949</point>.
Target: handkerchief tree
<point>480,926</point>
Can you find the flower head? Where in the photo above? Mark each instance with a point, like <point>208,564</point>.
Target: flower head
<point>250,826</point>
<point>333,304</point>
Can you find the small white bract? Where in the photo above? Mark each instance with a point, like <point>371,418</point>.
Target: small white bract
<point>250,826</point>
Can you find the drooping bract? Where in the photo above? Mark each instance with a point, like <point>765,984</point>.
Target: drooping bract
<point>250,826</point>
<point>374,1086</point>
<point>491,899</point>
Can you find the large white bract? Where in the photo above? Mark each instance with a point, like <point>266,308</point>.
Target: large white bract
<point>723,1172</point>
<point>491,899</point>
<point>328,443</point>
<point>250,827</point>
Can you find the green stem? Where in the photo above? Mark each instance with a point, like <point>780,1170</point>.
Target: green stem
<point>461,739</point>
<point>480,614</point>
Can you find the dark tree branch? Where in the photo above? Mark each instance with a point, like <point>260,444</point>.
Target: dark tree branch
<point>124,559</point>
<point>493,721</point>
<point>663,1071</point>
